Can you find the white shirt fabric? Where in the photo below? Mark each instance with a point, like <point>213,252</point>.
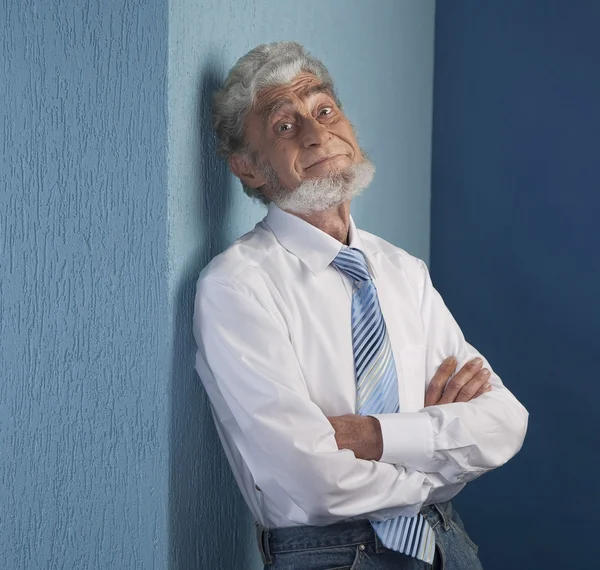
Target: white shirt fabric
<point>273,326</point>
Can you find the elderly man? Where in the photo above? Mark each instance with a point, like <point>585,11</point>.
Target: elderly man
<point>349,404</point>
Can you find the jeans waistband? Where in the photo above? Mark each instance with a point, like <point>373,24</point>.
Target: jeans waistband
<point>298,538</point>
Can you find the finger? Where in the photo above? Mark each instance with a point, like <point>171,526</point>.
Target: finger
<point>471,388</point>
<point>436,386</point>
<point>487,387</point>
<point>456,384</point>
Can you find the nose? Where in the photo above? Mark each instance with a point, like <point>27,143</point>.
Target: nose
<point>314,133</point>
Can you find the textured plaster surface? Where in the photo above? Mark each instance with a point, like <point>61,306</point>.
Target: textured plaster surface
<point>109,454</point>
<point>83,302</point>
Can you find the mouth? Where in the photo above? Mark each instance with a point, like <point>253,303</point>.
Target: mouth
<point>324,159</point>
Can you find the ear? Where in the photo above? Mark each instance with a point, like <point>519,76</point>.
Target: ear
<point>246,171</point>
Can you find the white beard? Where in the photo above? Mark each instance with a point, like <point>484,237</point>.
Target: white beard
<point>320,194</point>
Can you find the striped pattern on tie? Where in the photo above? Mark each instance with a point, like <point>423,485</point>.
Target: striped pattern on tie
<point>377,392</point>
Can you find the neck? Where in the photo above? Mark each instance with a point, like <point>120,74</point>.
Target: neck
<point>335,221</point>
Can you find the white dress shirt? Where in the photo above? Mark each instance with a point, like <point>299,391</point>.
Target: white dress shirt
<point>273,326</point>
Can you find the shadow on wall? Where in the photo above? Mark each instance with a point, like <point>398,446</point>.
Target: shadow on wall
<point>209,525</point>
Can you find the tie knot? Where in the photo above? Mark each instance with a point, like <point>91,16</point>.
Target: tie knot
<point>353,263</point>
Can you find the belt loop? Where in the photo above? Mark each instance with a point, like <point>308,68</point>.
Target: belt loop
<point>441,508</point>
<point>262,537</point>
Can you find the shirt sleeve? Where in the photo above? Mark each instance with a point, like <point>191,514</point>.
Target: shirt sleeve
<point>254,381</point>
<point>461,440</point>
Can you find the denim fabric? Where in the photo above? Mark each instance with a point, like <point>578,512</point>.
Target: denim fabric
<point>355,546</point>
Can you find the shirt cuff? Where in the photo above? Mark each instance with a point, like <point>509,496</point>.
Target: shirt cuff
<point>407,437</point>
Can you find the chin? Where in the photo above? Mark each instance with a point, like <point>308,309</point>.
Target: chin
<point>322,193</point>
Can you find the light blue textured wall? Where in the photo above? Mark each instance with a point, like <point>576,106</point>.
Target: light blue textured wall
<point>381,57</point>
<point>83,296</point>
<point>109,456</point>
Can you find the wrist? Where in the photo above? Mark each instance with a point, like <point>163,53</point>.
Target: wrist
<point>375,439</point>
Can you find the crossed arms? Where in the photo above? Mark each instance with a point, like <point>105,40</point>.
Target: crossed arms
<point>293,454</point>
<point>362,434</point>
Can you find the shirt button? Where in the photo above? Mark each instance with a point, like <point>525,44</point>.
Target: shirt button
<point>361,546</point>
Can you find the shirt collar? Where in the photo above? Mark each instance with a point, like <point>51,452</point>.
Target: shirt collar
<point>312,246</point>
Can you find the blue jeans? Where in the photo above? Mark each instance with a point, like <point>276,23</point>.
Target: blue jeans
<point>355,546</point>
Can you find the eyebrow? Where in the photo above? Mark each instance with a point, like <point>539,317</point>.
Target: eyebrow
<point>269,110</point>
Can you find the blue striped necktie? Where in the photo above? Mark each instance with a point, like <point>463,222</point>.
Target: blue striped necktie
<point>377,392</point>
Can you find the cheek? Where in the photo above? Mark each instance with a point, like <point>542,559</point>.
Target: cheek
<point>280,152</point>
<point>345,132</point>
<point>285,164</point>
<point>287,159</point>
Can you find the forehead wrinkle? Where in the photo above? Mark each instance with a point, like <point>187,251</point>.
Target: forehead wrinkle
<point>315,89</point>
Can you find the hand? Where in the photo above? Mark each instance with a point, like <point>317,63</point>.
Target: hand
<point>361,434</point>
<point>468,384</point>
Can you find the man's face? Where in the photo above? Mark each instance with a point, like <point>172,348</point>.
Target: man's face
<point>298,130</point>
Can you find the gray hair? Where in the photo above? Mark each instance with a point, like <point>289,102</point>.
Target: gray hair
<point>267,65</point>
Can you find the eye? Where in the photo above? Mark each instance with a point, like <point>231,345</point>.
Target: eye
<point>325,111</point>
<point>284,127</point>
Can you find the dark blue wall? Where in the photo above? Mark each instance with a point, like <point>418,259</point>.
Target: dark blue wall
<point>515,204</point>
